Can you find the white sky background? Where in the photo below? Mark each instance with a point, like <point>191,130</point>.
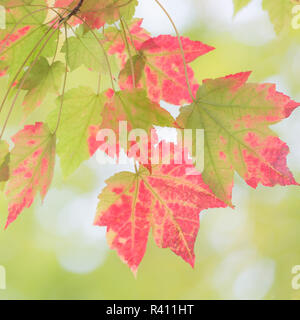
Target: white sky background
<point>251,25</point>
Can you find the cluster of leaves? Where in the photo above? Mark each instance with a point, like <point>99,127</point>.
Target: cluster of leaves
<point>43,44</point>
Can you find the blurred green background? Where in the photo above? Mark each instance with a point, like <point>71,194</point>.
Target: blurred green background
<point>52,251</point>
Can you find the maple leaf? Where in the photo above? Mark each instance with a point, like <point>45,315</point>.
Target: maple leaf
<point>84,49</point>
<point>280,13</point>
<point>160,68</point>
<point>25,29</point>
<point>168,201</point>
<point>81,109</point>
<point>31,167</point>
<point>12,58</point>
<point>24,13</point>
<point>240,4</point>
<point>114,40</point>
<point>134,107</point>
<point>96,13</point>
<point>7,41</point>
<point>235,116</point>
<point>43,79</point>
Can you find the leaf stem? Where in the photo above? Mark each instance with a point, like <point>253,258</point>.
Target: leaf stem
<point>21,68</point>
<point>16,25</point>
<point>25,77</point>
<point>56,48</point>
<point>73,12</point>
<point>65,81</point>
<point>105,54</point>
<point>129,53</point>
<point>99,83</point>
<point>130,36</point>
<point>135,168</point>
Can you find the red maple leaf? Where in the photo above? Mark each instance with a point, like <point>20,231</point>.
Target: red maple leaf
<point>168,201</point>
<point>236,116</point>
<point>159,68</point>
<point>116,44</point>
<point>31,167</point>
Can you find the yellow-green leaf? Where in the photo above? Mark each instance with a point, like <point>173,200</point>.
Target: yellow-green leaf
<point>81,109</point>
<point>42,79</point>
<point>280,13</point>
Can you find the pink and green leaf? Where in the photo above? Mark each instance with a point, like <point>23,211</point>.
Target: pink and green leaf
<point>236,116</point>
<point>161,68</point>
<point>168,201</point>
<point>31,167</point>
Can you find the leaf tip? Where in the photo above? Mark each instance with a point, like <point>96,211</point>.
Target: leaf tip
<point>134,270</point>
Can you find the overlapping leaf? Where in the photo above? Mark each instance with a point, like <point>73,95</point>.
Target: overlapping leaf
<point>23,13</point>
<point>134,107</point>
<point>240,4</point>
<point>236,116</point>
<point>82,108</point>
<point>280,12</point>
<point>84,49</point>
<point>159,68</point>
<point>96,13</point>
<point>168,201</point>
<point>26,30</point>
<point>135,37</point>
<point>43,79</point>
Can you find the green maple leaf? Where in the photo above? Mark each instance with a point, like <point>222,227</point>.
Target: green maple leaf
<point>127,12</point>
<point>81,109</point>
<point>84,49</point>
<point>42,79</point>
<point>240,4</point>
<point>280,13</point>
<point>137,109</point>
